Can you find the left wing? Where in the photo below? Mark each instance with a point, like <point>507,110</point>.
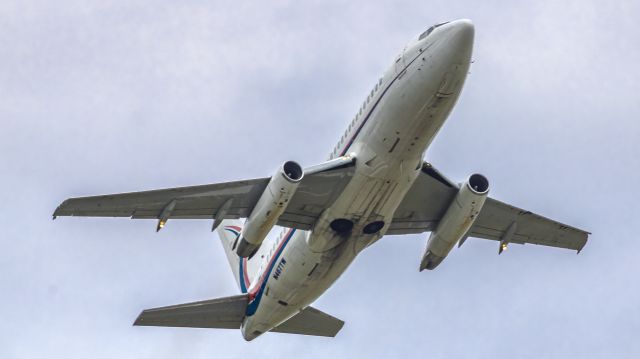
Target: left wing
<point>319,188</point>
<point>432,193</point>
<point>193,202</point>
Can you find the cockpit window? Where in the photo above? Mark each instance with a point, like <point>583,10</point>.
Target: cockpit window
<point>426,33</point>
<point>429,30</point>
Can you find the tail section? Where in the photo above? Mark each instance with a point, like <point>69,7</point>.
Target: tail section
<point>228,313</point>
<point>229,233</point>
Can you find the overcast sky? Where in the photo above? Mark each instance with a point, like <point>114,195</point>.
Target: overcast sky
<point>101,97</point>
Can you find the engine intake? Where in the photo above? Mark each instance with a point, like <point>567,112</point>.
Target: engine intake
<point>292,171</point>
<point>271,204</point>
<point>478,183</point>
<point>457,220</point>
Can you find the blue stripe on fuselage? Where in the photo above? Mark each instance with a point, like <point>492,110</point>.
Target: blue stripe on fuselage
<point>232,231</point>
<point>253,306</point>
<point>243,287</point>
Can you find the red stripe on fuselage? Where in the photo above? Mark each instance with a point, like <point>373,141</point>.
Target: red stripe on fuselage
<point>244,273</point>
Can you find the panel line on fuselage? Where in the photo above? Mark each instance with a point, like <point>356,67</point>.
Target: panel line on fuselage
<point>357,132</point>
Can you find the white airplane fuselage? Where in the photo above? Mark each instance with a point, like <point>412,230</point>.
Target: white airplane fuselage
<point>389,137</point>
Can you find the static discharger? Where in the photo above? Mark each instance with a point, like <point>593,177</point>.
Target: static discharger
<point>164,215</point>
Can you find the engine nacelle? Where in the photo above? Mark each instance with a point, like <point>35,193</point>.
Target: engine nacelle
<point>457,221</point>
<point>272,203</point>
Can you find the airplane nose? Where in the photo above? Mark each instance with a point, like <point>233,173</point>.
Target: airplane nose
<point>458,41</point>
<point>461,34</point>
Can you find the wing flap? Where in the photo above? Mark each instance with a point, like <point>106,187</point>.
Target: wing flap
<point>225,313</point>
<point>311,321</point>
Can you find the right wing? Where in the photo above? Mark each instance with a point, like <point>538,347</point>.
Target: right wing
<point>496,217</point>
<point>319,188</point>
<point>432,193</point>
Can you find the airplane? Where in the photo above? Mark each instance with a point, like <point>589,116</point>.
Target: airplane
<point>374,183</point>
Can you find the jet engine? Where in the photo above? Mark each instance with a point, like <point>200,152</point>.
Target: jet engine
<point>272,203</point>
<point>457,220</point>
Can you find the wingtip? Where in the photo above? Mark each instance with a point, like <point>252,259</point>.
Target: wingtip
<point>59,212</point>
<point>340,326</point>
<point>582,246</point>
<point>55,213</point>
<point>139,320</point>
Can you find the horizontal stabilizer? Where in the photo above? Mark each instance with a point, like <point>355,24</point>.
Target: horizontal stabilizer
<point>311,321</point>
<point>224,313</point>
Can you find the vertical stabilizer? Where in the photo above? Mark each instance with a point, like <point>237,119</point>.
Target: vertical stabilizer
<point>229,233</point>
